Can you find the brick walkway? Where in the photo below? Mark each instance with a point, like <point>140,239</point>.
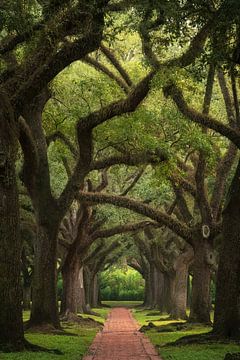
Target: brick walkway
<point>121,340</point>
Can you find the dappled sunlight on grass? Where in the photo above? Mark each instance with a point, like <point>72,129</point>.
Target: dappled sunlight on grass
<point>187,352</point>
<point>73,347</point>
<point>102,315</point>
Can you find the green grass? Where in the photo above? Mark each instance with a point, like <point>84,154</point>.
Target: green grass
<point>187,352</point>
<point>122,303</point>
<point>73,347</point>
<point>102,312</point>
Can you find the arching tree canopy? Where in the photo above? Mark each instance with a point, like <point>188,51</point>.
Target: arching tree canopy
<point>119,143</point>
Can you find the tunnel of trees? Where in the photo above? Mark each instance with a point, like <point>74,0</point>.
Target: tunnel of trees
<point>119,139</point>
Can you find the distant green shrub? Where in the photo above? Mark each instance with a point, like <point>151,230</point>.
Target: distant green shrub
<point>121,284</point>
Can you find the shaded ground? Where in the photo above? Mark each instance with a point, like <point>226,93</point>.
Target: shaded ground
<point>212,351</point>
<point>121,340</point>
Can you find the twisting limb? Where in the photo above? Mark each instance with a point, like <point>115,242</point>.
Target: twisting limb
<point>134,264</point>
<point>223,170</point>
<point>133,183</point>
<point>10,43</point>
<point>120,229</point>
<point>30,152</point>
<point>227,98</point>
<point>114,61</point>
<point>128,105</point>
<point>201,195</point>
<point>85,126</point>
<point>58,135</point>
<point>102,68</point>
<point>141,208</point>
<point>182,204</point>
<point>199,118</point>
<point>184,184</point>
<point>145,157</point>
<point>104,181</point>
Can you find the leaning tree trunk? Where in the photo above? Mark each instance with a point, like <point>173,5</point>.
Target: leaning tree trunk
<point>44,294</point>
<point>200,309</point>
<point>11,326</point>
<point>227,315</point>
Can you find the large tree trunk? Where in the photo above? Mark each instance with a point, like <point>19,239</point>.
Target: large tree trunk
<point>44,297</point>
<point>227,313</point>
<point>169,291</point>
<point>95,292</point>
<point>11,326</point>
<point>87,286</point>
<point>156,287</point>
<point>200,309</point>
<point>179,303</point>
<point>71,286</point>
<point>81,293</point>
<point>147,290</point>
<point>37,180</point>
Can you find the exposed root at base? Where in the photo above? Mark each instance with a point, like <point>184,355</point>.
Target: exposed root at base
<point>74,318</point>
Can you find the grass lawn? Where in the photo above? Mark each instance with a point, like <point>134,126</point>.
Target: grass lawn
<point>130,304</point>
<point>187,352</point>
<point>73,347</point>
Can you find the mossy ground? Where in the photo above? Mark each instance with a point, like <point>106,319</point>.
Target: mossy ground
<point>72,347</point>
<point>186,352</point>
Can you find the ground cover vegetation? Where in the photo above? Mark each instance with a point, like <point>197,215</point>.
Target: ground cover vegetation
<point>119,139</point>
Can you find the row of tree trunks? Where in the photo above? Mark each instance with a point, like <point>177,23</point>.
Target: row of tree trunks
<point>167,291</point>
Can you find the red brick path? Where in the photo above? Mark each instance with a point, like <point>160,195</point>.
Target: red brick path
<point>121,340</point>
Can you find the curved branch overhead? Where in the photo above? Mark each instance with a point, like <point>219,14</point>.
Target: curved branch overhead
<point>202,119</point>
<point>141,208</point>
<point>131,159</point>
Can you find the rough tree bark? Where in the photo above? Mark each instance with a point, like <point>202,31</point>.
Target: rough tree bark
<point>94,300</point>
<point>11,326</point>
<point>227,315</point>
<point>200,302</point>
<point>71,286</point>
<point>44,295</point>
<point>181,266</point>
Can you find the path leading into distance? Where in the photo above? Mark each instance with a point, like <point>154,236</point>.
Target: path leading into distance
<point>121,340</point>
